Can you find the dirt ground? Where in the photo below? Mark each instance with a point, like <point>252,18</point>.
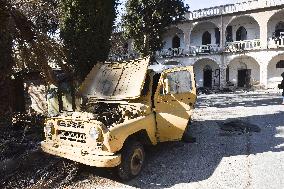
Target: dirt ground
<point>239,144</point>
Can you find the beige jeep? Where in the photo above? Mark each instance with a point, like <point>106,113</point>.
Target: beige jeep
<point>129,105</point>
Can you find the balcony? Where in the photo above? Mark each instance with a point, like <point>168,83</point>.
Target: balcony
<point>239,46</point>
<point>232,8</point>
<point>274,43</point>
<point>122,57</point>
<point>191,51</point>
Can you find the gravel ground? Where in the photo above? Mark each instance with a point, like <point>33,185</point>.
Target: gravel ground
<point>222,157</point>
<point>219,159</point>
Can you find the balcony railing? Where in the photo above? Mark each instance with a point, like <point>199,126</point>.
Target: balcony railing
<point>276,42</point>
<point>122,57</point>
<point>238,46</point>
<point>232,8</point>
<point>191,51</point>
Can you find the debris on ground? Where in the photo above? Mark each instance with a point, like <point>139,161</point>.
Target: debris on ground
<point>240,126</point>
<point>23,164</point>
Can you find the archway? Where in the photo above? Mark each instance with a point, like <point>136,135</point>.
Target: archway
<point>206,38</point>
<point>244,71</point>
<point>205,33</point>
<point>275,25</point>
<point>207,73</point>
<point>242,28</point>
<point>173,38</point>
<point>176,42</point>
<point>274,70</point>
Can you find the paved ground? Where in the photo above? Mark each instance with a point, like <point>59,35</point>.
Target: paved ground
<point>223,156</point>
<point>219,159</point>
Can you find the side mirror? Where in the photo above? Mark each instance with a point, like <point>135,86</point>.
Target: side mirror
<point>166,86</point>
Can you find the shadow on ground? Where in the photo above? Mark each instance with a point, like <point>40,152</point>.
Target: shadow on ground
<point>172,163</point>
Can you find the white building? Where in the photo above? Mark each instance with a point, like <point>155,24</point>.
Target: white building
<point>240,44</point>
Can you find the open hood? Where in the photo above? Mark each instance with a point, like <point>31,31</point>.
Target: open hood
<point>116,80</point>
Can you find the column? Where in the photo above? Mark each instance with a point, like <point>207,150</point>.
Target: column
<point>187,39</point>
<point>263,34</point>
<point>263,74</point>
<point>222,34</point>
<point>223,67</point>
<point>186,29</point>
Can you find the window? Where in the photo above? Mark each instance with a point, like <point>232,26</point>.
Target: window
<point>229,34</point>
<point>241,34</point>
<point>176,42</point>
<point>280,64</point>
<point>206,38</point>
<point>179,82</point>
<point>217,35</point>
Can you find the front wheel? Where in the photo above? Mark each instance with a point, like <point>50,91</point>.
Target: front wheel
<point>132,159</point>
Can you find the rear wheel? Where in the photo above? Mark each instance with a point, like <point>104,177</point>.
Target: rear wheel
<point>132,160</point>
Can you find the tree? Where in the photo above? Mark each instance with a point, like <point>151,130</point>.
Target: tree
<point>146,21</point>
<point>25,42</point>
<point>86,27</point>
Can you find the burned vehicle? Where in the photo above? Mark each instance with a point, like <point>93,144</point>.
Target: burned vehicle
<point>129,105</point>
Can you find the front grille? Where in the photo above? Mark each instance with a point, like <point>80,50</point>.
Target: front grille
<point>72,136</point>
<point>71,124</point>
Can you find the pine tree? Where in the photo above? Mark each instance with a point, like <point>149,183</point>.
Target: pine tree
<point>86,27</point>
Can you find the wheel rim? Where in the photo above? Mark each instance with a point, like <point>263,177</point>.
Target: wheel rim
<point>136,161</point>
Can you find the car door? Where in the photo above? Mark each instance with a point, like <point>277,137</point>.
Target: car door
<point>174,102</point>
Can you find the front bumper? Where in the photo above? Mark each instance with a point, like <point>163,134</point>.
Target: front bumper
<point>97,158</point>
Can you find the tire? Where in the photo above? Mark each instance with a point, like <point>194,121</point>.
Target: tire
<point>132,160</point>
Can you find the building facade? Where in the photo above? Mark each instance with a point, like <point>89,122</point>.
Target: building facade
<point>238,45</point>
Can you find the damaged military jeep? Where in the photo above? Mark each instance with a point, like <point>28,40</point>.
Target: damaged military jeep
<point>129,105</point>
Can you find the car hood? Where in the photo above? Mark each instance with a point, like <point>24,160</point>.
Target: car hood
<point>115,80</point>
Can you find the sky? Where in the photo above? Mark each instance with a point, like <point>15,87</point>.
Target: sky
<point>199,4</point>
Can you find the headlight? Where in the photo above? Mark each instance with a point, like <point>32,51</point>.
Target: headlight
<point>48,128</point>
<point>94,133</point>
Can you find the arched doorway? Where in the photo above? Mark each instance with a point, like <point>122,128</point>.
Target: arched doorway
<point>244,71</point>
<point>275,25</point>
<point>280,64</point>
<point>207,76</point>
<point>241,34</point>
<point>244,75</point>
<point>207,73</point>
<point>176,42</point>
<point>279,29</point>
<point>274,70</point>
<point>206,38</point>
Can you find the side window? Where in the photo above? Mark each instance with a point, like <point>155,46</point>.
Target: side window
<point>179,82</point>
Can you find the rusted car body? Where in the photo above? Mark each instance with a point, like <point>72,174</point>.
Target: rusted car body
<point>128,105</point>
